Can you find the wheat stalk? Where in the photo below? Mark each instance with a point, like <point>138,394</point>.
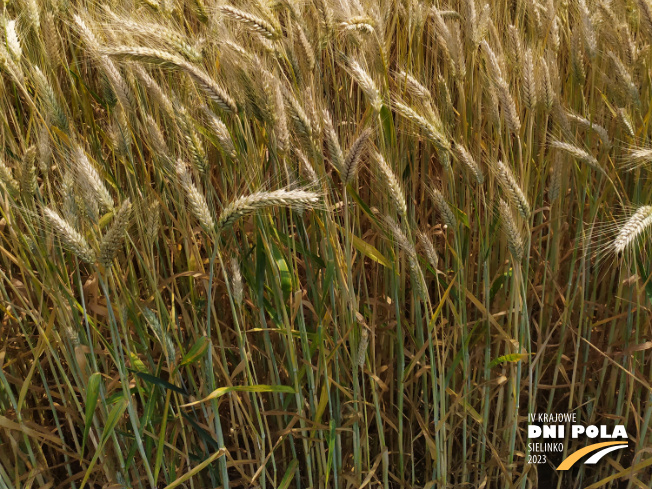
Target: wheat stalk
<point>163,58</point>
<point>367,85</point>
<point>577,153</point>
<point>332,142</point>
<point>28,181</point>
<point>464,157</point>
<point>280,117</point>
<point>528,85</point>
<point>13,42</point>
<point>449,41</point>
<point>358,24</point>
<point>391,181</point>
<point>7,180</point>
<point>236,281</point>
<point>307,167</point>
<point>431,252</point>
<point>156,91</point>
<point>413,263</point>
<point>515,47</point>
<point>193,141</point>
<point>53,45</point>
<point>545,87</point>
<point>157,139</point>
<point>298,115</point>
<point>306,48</point>
<point>513,191</point>
<point>152,221</point>
<point>591,126</point>
<point>295,199</point>
<point>635,226</point>
<point>514,238</point>
<point>87,173</point>
<point>149,31</point>
<point>625,78</point>
<point>114,237</point>
<point>588,31</point>
<point>251,21</point>
<point>502,89</point>
<point>163,337</point>
<point>196,199</point>
<point>353,156</point>
<point>638,157</point>
<point>444,209</point>
<point>53,108</point>
<point>221,132</point>
<point>414,86</point>
<point>626,121</point>
<point>431,129</point>
<point>646,17</point>
<point>554,191</point>
<point>362,347</point>
<point>70,236</point>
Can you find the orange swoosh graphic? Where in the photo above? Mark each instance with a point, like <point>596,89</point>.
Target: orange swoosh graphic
<point>574,457</point>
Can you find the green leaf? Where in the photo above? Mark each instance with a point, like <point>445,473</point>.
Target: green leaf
<point>321,407</point>
<point>289,474</point>
<point>326,286</point>
<point>111,422</point>
<point>92,394</point>
<point>117,396</point>
<point>97,98</point>
<point>160,382</point>
<point>293,332</point>
<point>203,434</point>
<point>284,271</point>
<point>363,205</point>
<point>261,264</point>
<point>113,419</point>
<point>188,475</point>
<point>498,284</point>
<point>105,220</point>
<point>242,388</point>
<point>467,407</point>
<point>331,450</point>
<point>136,362</point>
<point>197,351</point>
<point>645,276</point>
<point>461,216</point>
<point>161,436</point>
<point>300,248</point>
<point>510,358</point>
<point>368,250</point>
<point>388,125</point>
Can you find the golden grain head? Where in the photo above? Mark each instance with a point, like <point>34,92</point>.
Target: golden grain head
<point>322,243</point>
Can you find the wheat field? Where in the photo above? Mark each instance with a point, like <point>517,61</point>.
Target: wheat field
<point>322,243</point>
